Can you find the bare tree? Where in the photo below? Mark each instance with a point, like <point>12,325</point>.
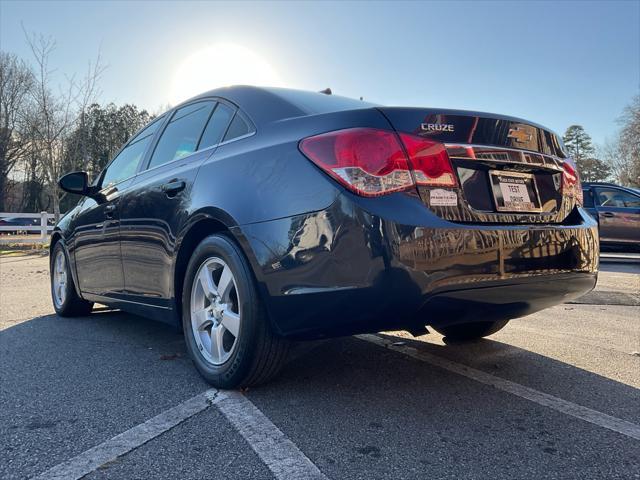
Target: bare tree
<point>629,144</point>
<point>16,81</point>
<point>54,115</point>
<point>87,92</point>
<point>610,154</point>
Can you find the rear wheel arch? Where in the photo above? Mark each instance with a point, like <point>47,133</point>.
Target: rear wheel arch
<point>196,232</point>
<point>200,226</point>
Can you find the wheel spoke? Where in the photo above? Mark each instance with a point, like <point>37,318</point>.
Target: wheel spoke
<point>61,293</point>
<point>225,283</point>
<point>200,318</point>
<point>231,321</point>
<point>217,351</point>
<point>207,282</point>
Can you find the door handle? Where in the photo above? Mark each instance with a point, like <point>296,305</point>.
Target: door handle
<point>109,210</point>
<point>173,187</point>
<point>608,214</point>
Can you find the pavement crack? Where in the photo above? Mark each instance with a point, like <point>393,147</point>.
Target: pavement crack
<point>211,396</point>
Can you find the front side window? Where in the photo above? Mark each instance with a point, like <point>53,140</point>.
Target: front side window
<point>148,130</point>
<point>126,163</point>
<point>617,198</point>
<point>181,135</point>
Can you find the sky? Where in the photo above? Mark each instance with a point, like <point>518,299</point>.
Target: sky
<point>554,63</point>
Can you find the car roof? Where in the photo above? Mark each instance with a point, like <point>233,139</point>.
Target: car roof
<point>608,184</point>
<point>268,104</point>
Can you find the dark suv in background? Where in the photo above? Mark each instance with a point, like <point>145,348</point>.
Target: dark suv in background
<point>617,210</point>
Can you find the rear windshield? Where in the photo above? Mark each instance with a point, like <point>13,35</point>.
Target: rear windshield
<point>312,103</point>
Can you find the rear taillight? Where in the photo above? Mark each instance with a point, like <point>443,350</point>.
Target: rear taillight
<point>429,161</point>
<point>373,162</point>
<point>571,185</point>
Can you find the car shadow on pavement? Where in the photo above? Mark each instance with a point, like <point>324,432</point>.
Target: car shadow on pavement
<point>503,360</point>
<point>69,384</point>
<point>351,404</point>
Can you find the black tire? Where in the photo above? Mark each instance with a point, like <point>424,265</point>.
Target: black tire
<point>470,331</point>
<point>259,353</point>
<point>72,305</point>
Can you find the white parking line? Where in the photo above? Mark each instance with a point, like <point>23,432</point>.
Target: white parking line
<point>90,460</point>
<point>279,454</point>
<point>563,406</point>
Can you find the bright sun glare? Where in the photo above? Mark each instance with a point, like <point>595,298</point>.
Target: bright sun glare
<point>218,66</point>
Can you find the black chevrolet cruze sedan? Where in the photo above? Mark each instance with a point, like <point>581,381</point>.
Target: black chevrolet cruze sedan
<point>253,216</point>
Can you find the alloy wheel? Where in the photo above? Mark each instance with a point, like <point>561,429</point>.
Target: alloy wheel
<point>59,278</point>
<point>215,311</point>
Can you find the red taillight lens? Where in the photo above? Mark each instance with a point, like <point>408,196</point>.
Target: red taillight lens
<point>368,161</point>
<point>372,162</point>
<point>571,185</point>
<point>429,161</point>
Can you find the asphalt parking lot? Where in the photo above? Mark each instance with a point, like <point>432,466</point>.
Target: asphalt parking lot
<point>111,395</point>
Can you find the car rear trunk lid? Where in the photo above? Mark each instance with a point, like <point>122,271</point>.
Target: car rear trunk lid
<point>509,170</point>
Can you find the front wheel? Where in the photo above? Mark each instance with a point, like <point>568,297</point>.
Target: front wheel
<point>226,330</point>
<point>470,331</point>
<point>66,301</point>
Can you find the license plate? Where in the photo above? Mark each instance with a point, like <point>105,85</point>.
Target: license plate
<point>514,191</point>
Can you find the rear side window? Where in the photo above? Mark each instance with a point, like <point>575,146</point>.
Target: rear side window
<point>217,125</point>
<point>617,198</point>
<point>238,128</point>
<point>181,135</point>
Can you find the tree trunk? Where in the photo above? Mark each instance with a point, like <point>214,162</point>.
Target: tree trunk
<point>56,201</point>
<point>3,192</point>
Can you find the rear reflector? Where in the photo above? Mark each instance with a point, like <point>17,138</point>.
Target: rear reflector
<point>571,185</point>
<point>373,162</point>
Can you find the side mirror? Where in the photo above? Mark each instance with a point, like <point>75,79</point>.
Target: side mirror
<point>75,182</point>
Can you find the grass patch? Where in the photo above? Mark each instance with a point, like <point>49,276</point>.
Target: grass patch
<point>13,249</point>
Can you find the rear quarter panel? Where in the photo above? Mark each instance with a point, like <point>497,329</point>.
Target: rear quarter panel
<point>265,176</point>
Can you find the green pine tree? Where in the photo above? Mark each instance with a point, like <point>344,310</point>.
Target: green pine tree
<point>578,145</point>
<point>578,142</point>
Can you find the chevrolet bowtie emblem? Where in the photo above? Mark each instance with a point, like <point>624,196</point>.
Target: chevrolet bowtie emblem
<point>519,136</point>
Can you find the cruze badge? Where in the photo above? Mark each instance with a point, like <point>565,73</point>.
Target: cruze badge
<point>436,127</point>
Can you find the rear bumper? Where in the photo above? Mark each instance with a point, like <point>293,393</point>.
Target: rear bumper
<point>371,264</point>
<point>502,299</point>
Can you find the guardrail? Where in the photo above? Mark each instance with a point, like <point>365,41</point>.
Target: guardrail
<point>42,226</point>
